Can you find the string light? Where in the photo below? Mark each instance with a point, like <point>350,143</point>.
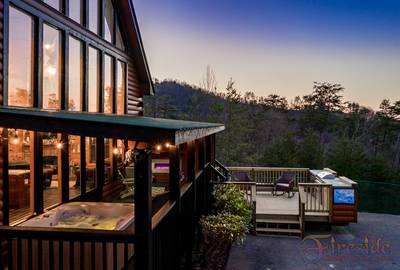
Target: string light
<point>15,140</point>
<point>167,145</point>
<point>158,147</point>
<point>115,151</point>
<point>59,145</point>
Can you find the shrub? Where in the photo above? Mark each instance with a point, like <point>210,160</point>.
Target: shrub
<point>224,227</point>
<point>229,199</point>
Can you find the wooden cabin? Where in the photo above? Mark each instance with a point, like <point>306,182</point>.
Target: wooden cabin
<point>73,74</point>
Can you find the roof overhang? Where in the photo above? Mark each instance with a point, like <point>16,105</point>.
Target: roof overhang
<point>144,129</point>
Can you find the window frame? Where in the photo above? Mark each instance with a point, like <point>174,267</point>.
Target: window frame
<point>42,14</point>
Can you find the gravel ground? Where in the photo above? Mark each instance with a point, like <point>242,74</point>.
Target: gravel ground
<point>372,243</point>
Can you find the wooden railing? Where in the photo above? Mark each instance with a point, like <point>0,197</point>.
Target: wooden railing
<point>56,248</point>
<point>316,197</point>
<point>267,175</point>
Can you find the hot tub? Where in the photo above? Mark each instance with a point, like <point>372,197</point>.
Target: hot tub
<point>86,215</point>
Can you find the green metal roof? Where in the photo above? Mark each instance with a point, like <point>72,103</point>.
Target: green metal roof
<point>107,125</point>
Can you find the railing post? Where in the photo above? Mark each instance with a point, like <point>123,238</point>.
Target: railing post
<point>175,195</point>
<point>254,205</point>
<point>143,211</point>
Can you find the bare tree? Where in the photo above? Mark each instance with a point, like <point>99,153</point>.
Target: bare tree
<point>209,81</point>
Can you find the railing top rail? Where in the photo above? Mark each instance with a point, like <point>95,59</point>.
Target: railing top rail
<point>235,183</point>
<point>315,184</point>
<point>127,236</point>
<point>266,169</point>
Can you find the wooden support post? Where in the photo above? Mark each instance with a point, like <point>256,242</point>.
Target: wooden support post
<point>194,221</point>
<point>143,211</point>
<point>175,195</point>
<point>64,161</point>
<point>37,173</point>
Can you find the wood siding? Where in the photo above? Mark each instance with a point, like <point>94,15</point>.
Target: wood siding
<point>135,93</point>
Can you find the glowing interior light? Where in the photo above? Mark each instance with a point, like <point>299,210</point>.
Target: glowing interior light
<point>158,147</point>
<point>59,145</point>
<point>15,140</point>
<point>51,70</point>
<point>167,145</point>
<point>115,151</point>
<point>47,46</point>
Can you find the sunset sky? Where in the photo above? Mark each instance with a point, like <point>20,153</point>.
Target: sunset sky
<point>277,46</point>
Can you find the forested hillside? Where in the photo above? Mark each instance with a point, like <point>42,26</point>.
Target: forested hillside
<point>315,131</point>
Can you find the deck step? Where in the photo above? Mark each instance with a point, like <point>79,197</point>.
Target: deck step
<point>281,221</point>
<point>279,230</point>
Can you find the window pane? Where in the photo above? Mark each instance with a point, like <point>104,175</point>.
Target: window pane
<point>118,39</point>
<point>74,75</point>
<point>93,80</point>
<point>120,87</point>
<point>53,3</point>
<point>52,147</point>
<point>20,59</point>
<point>74,151</point>
<point>75,10</point>
<point>51,68</point>
<point>20,151</point>
<point>108,21</point>
<point>108,87</point>
<point>91,163</point>
<point>94,16</point>
<point>108,160</point>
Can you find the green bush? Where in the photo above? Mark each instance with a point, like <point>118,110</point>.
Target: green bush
<point>229,199</point>
<point>224,227</point>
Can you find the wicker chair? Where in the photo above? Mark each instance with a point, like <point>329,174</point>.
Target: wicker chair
<point>284,184</point>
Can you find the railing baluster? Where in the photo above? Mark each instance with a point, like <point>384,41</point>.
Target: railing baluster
<point>60,254</point>
<point>104,251</point>
<point>1,254</point>
<point>115,253</point>
<point>51,254</point>
<point>71,255</point>
<point>93,255</point>
<point>126,256</point>
<point>40,253</point>
<point>19,253</point>
<point>10,254</point>
<point>82,254</point>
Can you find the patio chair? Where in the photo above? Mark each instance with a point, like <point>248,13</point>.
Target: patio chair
<point>284,184</point>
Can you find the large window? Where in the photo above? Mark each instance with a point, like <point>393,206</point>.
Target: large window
<point>75,10</point>
<point>74,173</point>
<point>51,68</point>
<point>90,149</point>
<point>118,38</point>
<point>20,92</point>
<point>108,21</point>
<point>120,87</point>
<point>75,75</point>
<point>20,152</point>
<point>94,16</point>
<point>93,80</point>
<point>52,147</point>
<point>108,84</point>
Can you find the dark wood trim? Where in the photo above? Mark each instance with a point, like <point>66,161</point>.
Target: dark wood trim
<point>143,211</point>
<point>6,26</point>
<point>99,166</point>
<point>64,169</point>
<point>83,166</point>
<point>64,70</point>
<point>85,77</point>
<point>37,173</point>
<point>85,13</point>
<point>101,81</point>
<point>37,70</point>
<point>114,83</point>
<point>6,185</point>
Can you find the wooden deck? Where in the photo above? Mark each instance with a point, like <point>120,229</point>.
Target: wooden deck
<point>266,204</point>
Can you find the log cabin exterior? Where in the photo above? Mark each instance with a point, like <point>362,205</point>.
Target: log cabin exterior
<point>73,74</point>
